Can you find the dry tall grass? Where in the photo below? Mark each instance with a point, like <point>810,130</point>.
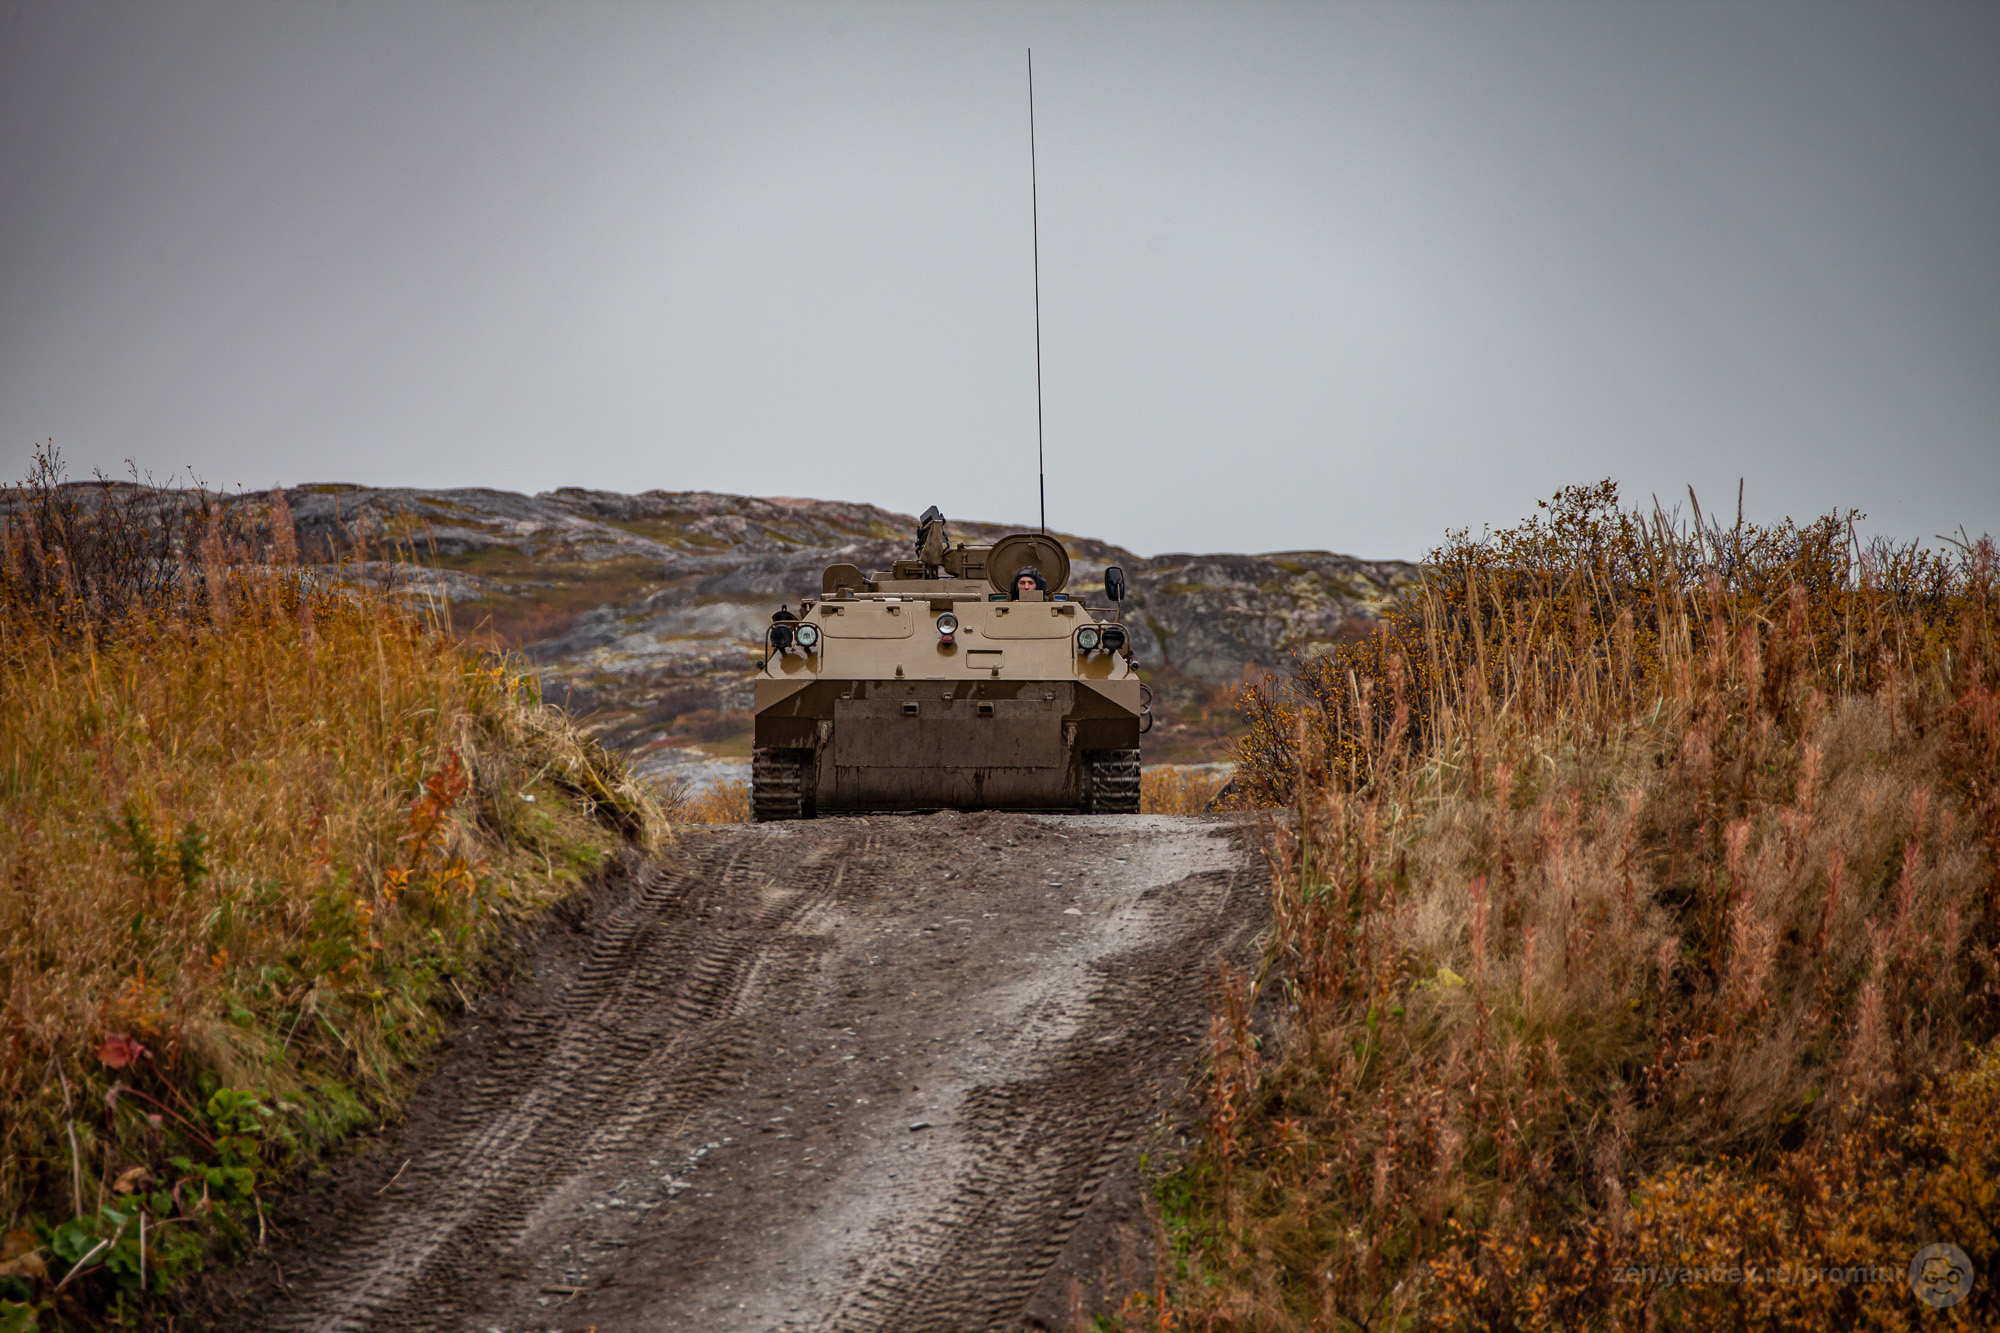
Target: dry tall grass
<point>1636,912</point>
<point>1179,789</point>
<point>717,803</point>
<point>258,834</point>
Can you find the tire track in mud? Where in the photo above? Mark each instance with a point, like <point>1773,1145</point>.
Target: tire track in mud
<point>642,1035</point>
<point>1042,1146</point>
<point>853,1075</point>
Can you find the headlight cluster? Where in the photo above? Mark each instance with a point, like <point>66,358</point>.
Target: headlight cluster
<point>947,626</point>
<point>1109,638</point>
<point>784,635</point>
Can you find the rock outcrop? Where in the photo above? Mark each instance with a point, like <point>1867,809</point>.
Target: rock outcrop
<point>644,611</point>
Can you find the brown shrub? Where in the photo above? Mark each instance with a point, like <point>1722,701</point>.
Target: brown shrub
<point>1558,916</point>
<point>1177,789</point>
<point>719,803</point>
<point>1581,615</point>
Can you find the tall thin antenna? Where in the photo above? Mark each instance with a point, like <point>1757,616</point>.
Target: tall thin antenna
<point>1035,222</point>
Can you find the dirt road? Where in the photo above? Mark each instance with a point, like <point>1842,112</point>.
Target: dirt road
<point>853,1074</point>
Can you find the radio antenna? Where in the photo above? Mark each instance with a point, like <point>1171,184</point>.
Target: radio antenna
<point>1035,225</point>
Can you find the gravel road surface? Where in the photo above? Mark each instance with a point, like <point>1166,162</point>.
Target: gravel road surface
<point>887,1073</point>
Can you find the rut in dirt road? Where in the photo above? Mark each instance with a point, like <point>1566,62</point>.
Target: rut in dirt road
<point>853,1075</point>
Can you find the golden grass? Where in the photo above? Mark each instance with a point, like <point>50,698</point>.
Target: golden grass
<point>1175,789</point>
<point>258,838</point>
<point>1619,922</point>
<point>718,803</point>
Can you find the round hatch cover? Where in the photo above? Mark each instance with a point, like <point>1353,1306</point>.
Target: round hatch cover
<point>1027,548</point>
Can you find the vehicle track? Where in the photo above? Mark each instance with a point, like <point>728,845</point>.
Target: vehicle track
<point>854,1075</point>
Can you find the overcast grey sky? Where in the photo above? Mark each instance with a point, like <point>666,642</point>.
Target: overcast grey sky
<point>1313,275</point>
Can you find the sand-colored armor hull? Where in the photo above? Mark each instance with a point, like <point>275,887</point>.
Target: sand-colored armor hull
<point>935,687</point>
<point>927,745</point>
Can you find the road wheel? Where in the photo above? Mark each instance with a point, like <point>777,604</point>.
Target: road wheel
<point>779,784</point>
<point>1114,782</point>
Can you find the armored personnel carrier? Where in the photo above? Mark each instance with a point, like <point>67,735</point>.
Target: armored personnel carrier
<point>963,678</point>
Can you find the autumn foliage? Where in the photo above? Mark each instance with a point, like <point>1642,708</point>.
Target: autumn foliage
<point>259,831</point>
<point>1636,912</point>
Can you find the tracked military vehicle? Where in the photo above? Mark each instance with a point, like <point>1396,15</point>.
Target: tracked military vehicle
<point>963,678</point>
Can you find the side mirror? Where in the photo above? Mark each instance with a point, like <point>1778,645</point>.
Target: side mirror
<point>1114,583</point>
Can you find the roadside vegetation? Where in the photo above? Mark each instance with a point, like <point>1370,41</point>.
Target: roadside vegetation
<point>261,833</point>
<point>1636,926</point>
<point>717,803</point>
<point>1180,789</point>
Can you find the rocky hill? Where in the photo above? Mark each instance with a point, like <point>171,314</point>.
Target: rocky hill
<point>642,612</point>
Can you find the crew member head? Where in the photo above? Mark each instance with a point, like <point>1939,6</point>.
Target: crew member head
<point>1028,579</point>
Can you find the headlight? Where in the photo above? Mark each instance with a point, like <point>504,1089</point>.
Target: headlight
<point>781,637</point>
<point>808,636</point>
<point>947,625</point>
<point>1087,638</point>
<point>1114,638</point>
